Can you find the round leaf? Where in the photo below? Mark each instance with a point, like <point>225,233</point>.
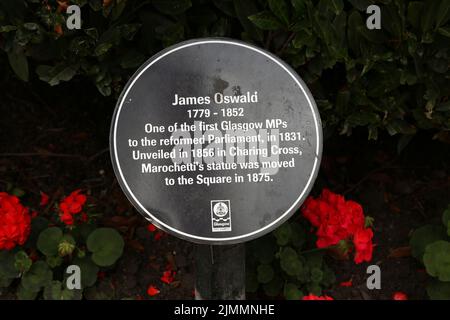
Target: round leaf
<point>106,245</point>
<point>422,237</point>
<point>437,260</point>
<point>438,290</point>
<point>89,271</point>
<point>291,292</point>
<point>22,261</point>
<point>273,288</point>
<point>7,265</point>
<point>37,277</point>
<point>49,240</point>
<point>290,262</point>
<point>283,234</point>
<point>446,220</point>
<point>56,291</point>
<point>26,294</point>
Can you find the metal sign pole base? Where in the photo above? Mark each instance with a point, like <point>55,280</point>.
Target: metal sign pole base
<point>220,272</point>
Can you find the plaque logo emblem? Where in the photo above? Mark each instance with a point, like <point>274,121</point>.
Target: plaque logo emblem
<point>220,215</point>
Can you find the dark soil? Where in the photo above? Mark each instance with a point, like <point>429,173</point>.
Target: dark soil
<point>56,140</point>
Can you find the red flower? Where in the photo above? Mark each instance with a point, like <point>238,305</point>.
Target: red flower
<point>151,228</point>
<point>14,222</point>
<point>399,296</point>
<point>73,203</point>
<point>168,276</point>
<point>363,245</point>
<point>348,283</point>
<point>335,218</point>
<point>314,297</point>
<point>152,291</point>
<point>67,218</point>
<point>338,219</point>
<point>44,199</point>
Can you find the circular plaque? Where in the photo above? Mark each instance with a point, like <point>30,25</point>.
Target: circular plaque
<point>216,141</point>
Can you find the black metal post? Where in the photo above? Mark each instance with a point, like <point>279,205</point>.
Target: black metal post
<point>220,272</point>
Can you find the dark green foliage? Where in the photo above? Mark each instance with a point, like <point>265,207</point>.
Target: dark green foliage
<point>283,264</point>
<point>430,244</point>
<point>394,79</point>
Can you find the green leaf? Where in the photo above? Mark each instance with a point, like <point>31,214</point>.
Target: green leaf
<point>55,290</point>
<point>446,220</point>
<point>298,5</point>
<point>37,277</point>
<point>106,245</point>
<point>19,63</point>
<point>22,262</point>
<point>49,240</point>
<point>437,260</point>
<point>298,235</point>
<point>422,237</point>
<point>26,294</point>
<point>316,275</point>
<point>429,13</point>
<point>54,261</point>
<point>415,9</point>
<point>354,39</point>
<point>363,118</point>
<point>314,288</point>
<point>118,9</point>
<point>280,10</point>
<point>283,234</point>
<point>54,75</point>
<point>5,282</point>
<point>89,271</point>
<point>244,9</point>
<point>314,259</point>
<point>337,5</point>
<point>328,278</point>
<point>265,273</point>
<point>292,292</point>
<point>7,265</point>
<point>226,6</point>
<point>438,290</point>
<point>265,21</point>
<point>274,287</point>
<point>132,59</point>
<point>9,28</point>
<point>361,4</point>
<point>443,13</point>
<point>172,7</point>
<point>445,31</point>
<point>102,48</point>
<point>290,262</point>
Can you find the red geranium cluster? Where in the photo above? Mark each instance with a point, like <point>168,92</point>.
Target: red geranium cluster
<point>71,205</point>
<point>337,220</point>
<point>15,222</point>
